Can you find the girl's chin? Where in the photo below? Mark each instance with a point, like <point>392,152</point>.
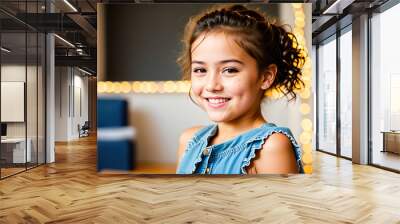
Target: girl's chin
<point>217,117</point>
<point>216,120</point>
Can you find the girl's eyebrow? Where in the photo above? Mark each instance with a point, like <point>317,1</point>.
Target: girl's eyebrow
<point>220,62</point>
<point>198,62</point>
<point>231,60</point>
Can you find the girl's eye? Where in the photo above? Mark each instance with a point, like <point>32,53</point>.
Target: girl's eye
<point>230,70</point>
<point>199,70</point>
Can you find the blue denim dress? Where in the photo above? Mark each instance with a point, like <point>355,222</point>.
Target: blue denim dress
<point>232,156</point>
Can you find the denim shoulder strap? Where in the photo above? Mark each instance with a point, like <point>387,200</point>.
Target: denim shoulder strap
<point>193,150</point>
<point>204,132</point>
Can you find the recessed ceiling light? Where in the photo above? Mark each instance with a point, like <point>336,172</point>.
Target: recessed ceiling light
<point>70,5</point>
<point>5,49</point>
<point>84,71</point>
<point>64,40</point>
<point>337,7</point>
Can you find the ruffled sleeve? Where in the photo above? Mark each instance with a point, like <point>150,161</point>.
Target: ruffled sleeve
<point>257,142</point>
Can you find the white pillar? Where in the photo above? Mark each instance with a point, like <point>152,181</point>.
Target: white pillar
<point>360,90</point>
<point>50,99</point>
<point>50,92</point>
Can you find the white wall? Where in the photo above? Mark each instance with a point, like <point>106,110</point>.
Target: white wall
<point>71,94</point>
<point>61,103</point>
<point>81,82</point>
<point>284,113</point>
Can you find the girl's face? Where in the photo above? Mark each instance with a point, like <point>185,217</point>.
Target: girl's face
<point>225,79</point>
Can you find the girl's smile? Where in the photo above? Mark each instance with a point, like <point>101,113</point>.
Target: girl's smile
<point>217,102</point>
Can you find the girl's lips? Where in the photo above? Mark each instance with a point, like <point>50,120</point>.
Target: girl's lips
<point>217,102</point>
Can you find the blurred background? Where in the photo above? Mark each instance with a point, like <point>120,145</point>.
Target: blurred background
<point>138,45</point>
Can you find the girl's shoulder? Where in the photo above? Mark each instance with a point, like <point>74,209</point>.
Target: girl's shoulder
<point>281,140</point>
<point>272,150</point>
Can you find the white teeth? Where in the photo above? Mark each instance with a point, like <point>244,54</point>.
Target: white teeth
<point>218,100</point>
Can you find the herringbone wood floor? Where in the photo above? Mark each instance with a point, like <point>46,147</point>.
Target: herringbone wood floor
<point>70,191</point>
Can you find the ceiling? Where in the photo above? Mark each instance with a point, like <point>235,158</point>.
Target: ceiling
<point>76,24</point>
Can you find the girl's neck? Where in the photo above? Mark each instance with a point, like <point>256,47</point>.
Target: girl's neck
<point>228,130</point>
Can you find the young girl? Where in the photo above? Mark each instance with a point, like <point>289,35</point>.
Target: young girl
<point>232,56</point>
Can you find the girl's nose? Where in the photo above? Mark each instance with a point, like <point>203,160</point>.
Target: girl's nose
<point>213,83</point>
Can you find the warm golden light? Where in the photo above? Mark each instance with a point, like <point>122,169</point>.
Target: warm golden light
<point>273,93</point>
<point>108,87</point>
<point>169,86</point>
<point>305,109</point>
<point>101,86</point>
<point>307,148</point>
<point>305,138</point>
<point>306,124</point>
<point>305,94</point>
<point>125,87</point>
<point>148,87</point>
<point>308,168</point>
<point>307,158</point>
<point>297,5</point>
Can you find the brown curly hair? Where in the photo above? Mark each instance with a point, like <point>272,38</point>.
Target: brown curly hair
<point>263,40</point>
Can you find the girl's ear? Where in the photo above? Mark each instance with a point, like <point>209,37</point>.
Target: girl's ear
<point>268,76</point>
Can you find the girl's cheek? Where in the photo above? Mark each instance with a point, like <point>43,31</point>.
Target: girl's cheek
<point>235,87</point>
<point>196,88</point>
